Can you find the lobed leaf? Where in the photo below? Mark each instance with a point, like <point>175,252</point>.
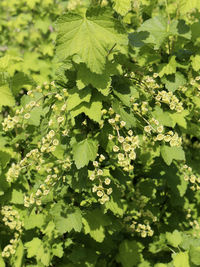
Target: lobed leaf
<point>90,36</point>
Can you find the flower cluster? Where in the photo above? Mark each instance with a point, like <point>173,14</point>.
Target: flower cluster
<point>148,82</point>
<point>42,88</point>
<point>143,229</point>
<point>72,5</point>
<point>169,137</point>
<point>32,157</point>
<point>17,120</point>
<point>124,146</point>
<point>54,174</point>
<point>13,173</point>
<point>139,221</point>
<point>11,219</point>
<point>38,158</point>
<point>170,99</point>
<point>49,142</point>
<point>141,107</point>
<point>196,228</point>
<point>151,82</point>
<point>125,149</point>
<point>193,223</point>
<point>9,123</point>
<point>191,177</point>
<point>23,113</point>
<point>195,82</point>
<point>101,188</point>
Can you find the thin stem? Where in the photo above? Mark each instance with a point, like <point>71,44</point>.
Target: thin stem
<point>168,24</point>
<point>111,49</point>
<point>171,249</point>
<point>168,15</point>
<point>137,80</point>
<point>145,120</point>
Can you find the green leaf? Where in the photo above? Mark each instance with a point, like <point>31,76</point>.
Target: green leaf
<point>34,220</point>
<point>125,115</point>
<point>169,153</point>
<point>179,118</point>
<point>122,6</point>
<point>182,186</point>
<point>137,39</point>
<point>163,117</point>
<point>35,116</point>
<point>157,29</point>
<point>125,97</point>
<point>147,188</point>
<point>94,222</point>
<point>195,29</point>
<point>19,80</point>
<point>161,265</point>
<point>186,6</point>
<point>84,151</point>
<point>196,101</point>
<point>115,206</point>
<point>32,3</point>
<point>59,151</point>
<point>36,248</point>
<point>17,197</point>
<point>193,128</point>
<point>5,156</point>
<point>179,27</point>
<point>174,239</point>
<point>33,247</point>
<point>174,81</point>
<point>129,254</point>
<point>78,96</point>
<point>18,258</point>
<point>61,224</point>
<point>8,60</point>
<point>158,245</point>
<point>92,109</point>
<point>90,37</point>
<point>144,264</point>
<point>168,68</point>
<point>36,112</point>
<point>84,256</point>
<point>115,203</point>
<point>2,263</point>
<point>43,24</point>
<point>86,77</point>
<point>57,250</point>
<point>61,71</point>
<point>6,96</point>
<point>181,259</point>
<point>189,241</point>
<point>4,78</point>
<point>195,62</point>
<point>195,255</point>
<point>49,230</point>
<point>4,62</point>
<point>73,220</point>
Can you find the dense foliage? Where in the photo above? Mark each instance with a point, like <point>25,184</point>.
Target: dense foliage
<point>99,133</point>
